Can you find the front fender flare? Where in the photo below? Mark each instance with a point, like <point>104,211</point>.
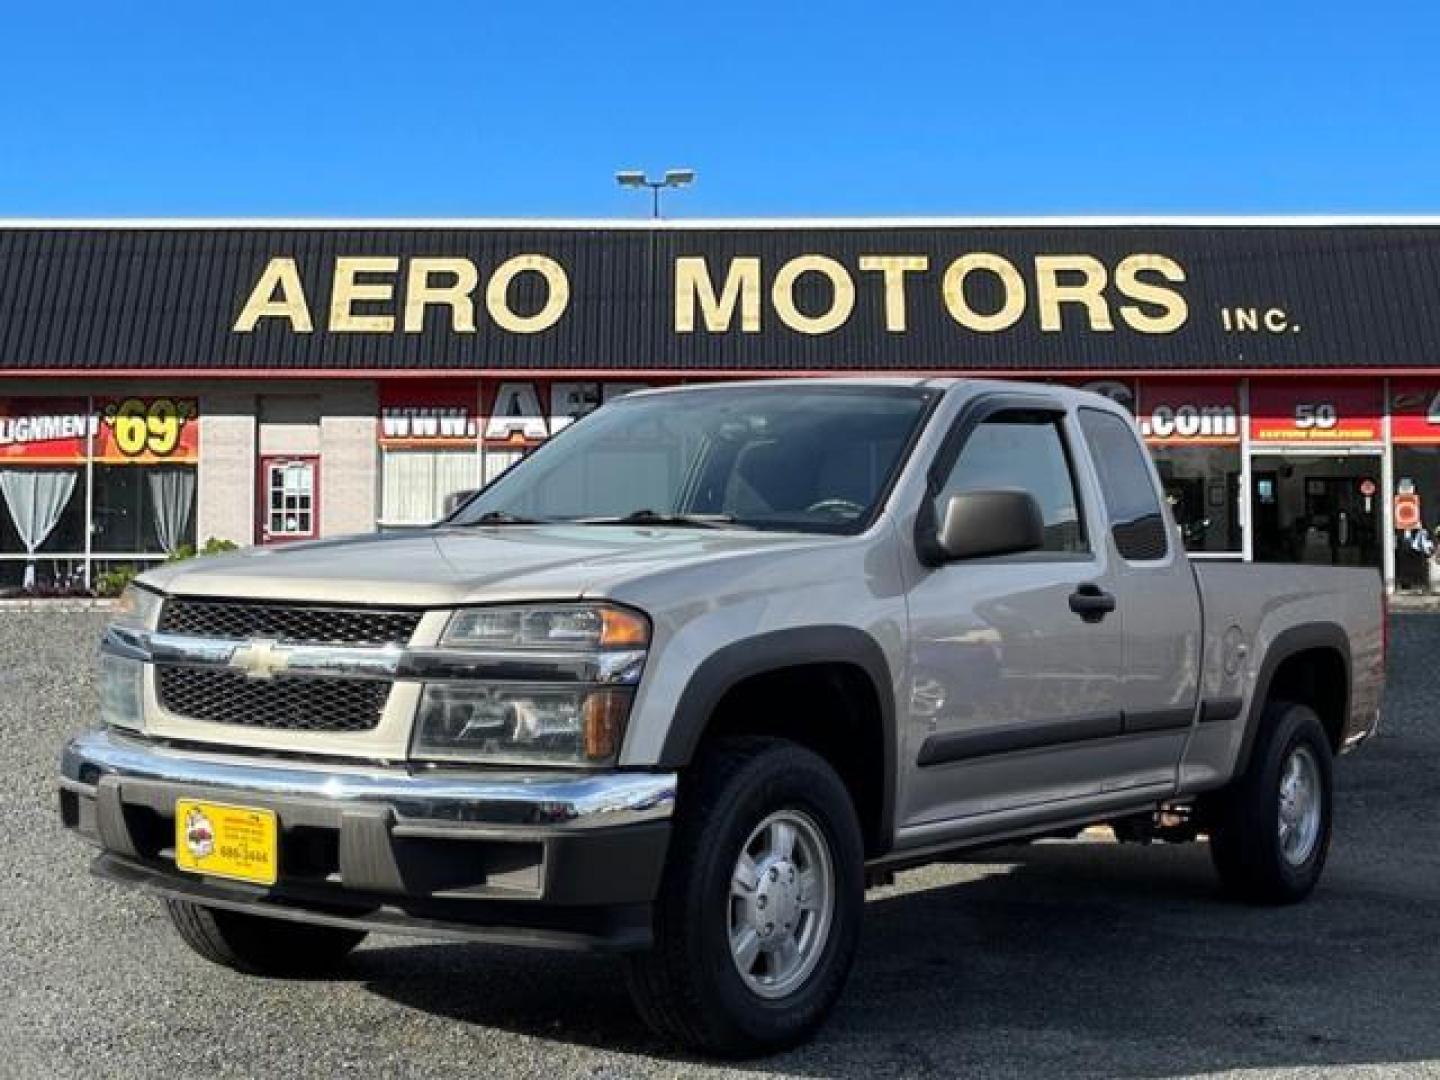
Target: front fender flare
<point>728,666</point>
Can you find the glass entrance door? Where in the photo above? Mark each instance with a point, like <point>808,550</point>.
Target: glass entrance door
<point>1317,509</point>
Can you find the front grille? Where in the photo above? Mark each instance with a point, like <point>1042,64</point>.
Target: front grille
<point>284,703</point>
<point>295,623</point>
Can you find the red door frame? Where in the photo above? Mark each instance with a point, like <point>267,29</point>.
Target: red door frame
<point>262,500</point>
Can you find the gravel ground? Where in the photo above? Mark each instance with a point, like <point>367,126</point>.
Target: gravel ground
<point>1077,958</point>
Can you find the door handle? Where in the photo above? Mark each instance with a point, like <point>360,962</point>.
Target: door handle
<point>1091,602</point>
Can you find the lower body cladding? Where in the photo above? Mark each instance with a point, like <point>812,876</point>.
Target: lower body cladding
<point>536,858</point>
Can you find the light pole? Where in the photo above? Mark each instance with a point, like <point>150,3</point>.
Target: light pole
<point>673,178</point>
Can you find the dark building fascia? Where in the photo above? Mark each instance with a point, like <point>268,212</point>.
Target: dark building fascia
<point>1193,296</point>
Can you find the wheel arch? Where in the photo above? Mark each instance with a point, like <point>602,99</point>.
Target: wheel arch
<point>788,657</point>
<point>1309,664</point>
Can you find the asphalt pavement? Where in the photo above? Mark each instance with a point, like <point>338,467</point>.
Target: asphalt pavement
<point>1072,958</point>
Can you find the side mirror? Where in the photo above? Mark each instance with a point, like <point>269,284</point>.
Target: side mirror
<point>999,522</point>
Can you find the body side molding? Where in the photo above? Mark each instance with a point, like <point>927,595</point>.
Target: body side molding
<point>965,745</point>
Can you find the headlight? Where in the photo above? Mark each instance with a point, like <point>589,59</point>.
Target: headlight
<point>575,626</point>
<point>550,724</point>
<point>122,692</point>
<point>559,681</point>
<point>122,677</point>
<point>138,606</point>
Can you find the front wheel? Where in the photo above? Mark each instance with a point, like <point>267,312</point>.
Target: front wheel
<point>1271,828</point>
<point>256,945</point>
<point>759,911</point>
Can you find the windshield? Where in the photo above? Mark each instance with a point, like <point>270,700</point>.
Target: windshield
<point>811,459</point>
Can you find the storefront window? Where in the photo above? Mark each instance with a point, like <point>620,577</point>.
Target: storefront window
<point>42,576</point>
<point>143,509</point>
<point>429,447</point>
<point>416,483</point>
<point>1417,523</point>
<point>440,437</point>
<point>1320,509</point>
<point>44,514</point>
<point>128,462</point>
<point>1415,429</point>
<point>1317,457</point>
<point>1202,485</point>
<point>1192,427</point>
<point>498,461</point>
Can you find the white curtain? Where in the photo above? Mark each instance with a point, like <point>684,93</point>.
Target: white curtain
<point>172,496</point>
<point>414,483</point>
<point>497,461</point>
<point>36,498</point>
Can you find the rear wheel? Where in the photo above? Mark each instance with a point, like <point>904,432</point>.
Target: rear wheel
<point>259,946</point>
<point>1270,831</point>
<point>759,912</point>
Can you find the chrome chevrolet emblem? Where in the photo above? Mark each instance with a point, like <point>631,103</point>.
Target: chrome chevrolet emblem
<point>260,658</point>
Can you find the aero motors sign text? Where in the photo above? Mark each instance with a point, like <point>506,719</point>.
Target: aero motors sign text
<point>813,294</point>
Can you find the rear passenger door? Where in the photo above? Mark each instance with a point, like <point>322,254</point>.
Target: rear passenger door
<point>1156,589</point>
<point>1014,693</point>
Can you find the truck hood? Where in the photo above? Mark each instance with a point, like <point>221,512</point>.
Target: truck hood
<point>435,567</point>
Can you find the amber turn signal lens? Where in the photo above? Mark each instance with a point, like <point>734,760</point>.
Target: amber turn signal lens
<point>622,628</point>
<point>603,717</point>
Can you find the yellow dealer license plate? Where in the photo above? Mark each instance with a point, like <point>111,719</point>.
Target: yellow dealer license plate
<point>238,842</point>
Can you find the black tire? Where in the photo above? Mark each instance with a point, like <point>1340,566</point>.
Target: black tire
<point>689,988</point>
<point>256,945</point>
<point>1245,842</point>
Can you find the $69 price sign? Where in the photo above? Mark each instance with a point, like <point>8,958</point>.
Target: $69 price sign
<point>148,426</point>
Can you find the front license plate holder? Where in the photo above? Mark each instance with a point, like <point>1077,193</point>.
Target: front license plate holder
<point>240,843</point>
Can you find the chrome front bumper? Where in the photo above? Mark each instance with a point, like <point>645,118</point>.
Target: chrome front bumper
<point>401,848</point>
<point>441,798</point>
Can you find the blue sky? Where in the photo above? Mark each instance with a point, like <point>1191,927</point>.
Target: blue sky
<point>357,108</point>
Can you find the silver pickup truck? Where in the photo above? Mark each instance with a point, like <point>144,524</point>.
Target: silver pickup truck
<point>685,681</point>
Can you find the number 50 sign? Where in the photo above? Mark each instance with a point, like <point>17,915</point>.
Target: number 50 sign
<point>1315,411</point>
<point>1316,416</point>
<point>139,430</point>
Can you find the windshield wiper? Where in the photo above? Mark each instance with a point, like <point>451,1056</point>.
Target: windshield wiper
<point>654,517</point>
<point>501,517</point>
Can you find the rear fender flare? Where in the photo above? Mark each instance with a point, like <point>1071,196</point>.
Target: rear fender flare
<point>1288,643</point>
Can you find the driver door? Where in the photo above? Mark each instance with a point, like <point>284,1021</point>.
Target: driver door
<point>1011,689</point>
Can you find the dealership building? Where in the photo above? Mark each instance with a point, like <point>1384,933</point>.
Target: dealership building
<point>166,382</point>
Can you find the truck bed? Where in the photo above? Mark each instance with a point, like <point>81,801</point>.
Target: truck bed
<point>1253,612</point>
